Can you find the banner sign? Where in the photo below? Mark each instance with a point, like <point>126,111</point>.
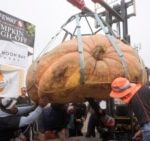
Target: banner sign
<point>16,38</point>
<point>14,29</point>
<point>13,54</point>
<point>9,84</point>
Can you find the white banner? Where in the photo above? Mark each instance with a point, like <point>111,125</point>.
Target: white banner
<point>13,54</point>
<point>9,83</point>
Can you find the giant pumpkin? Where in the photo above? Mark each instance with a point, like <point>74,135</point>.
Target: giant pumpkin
<point>56,74</point>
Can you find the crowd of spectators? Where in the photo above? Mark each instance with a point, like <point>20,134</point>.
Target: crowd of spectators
<point>22,118</point>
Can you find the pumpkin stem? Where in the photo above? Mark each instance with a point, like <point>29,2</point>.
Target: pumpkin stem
<point>98,52</point>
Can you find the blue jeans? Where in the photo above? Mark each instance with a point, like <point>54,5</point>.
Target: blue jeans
<point>146,131</point>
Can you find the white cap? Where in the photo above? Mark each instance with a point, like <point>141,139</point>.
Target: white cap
<point>8,103</point>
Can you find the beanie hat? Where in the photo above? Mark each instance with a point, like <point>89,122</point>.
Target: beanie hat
<point>7,103</point>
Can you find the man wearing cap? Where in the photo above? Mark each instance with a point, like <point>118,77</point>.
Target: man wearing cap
<point>12,118</point>
<point>138,98</point>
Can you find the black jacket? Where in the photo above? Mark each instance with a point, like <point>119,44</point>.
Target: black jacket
<point>53,119</point>
<point>140,104</point>
<point>8,126</point>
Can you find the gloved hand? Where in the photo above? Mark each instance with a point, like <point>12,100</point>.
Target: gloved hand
<point>108,121</point>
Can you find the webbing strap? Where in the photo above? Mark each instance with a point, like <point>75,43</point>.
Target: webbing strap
<point>80,50</point>
<point>114,44</point>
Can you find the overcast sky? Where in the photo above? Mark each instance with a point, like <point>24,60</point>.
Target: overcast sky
<point>48,17</point>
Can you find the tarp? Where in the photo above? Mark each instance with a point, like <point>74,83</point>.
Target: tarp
<point>10,81</point>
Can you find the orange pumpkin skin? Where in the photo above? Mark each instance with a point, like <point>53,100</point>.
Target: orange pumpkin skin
<point>57,73</point>
<point>1,80</point>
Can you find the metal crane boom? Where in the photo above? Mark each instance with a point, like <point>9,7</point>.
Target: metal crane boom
<point>81,5</point>
<point>107,7</point>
